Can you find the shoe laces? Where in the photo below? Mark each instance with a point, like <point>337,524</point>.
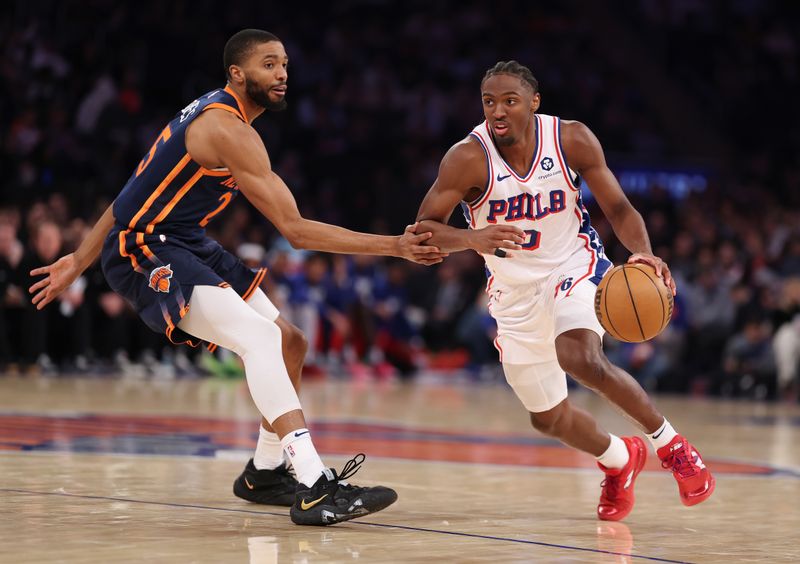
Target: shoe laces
<point>352,466</point>
<point>681,462</point>
<point>286,472</point>
<point>610,487</point>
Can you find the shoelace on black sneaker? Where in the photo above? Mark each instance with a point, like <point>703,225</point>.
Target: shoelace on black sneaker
<point>352,466</point>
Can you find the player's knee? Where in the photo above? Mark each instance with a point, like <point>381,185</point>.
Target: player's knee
<point>296,342</point>
<point>585,365</point>
<point>550,422</point>
<point>260,336</point>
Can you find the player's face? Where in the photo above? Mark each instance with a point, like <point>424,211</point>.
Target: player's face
<point>265,75</point>
<point>508,105</point>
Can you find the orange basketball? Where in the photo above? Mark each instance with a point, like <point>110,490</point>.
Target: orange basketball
<point>632,303</point>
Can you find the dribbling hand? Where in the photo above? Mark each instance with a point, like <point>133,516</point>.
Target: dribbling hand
<point>411,247</point>
<point>659,265</point>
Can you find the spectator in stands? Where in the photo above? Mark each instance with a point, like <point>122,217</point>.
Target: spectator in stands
<point>12,298</point>
<point>748,366</point>
<point>60,333</point>
<point>786,344</point>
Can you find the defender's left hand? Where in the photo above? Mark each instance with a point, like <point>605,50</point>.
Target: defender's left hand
<point>660,266</point>
<point>411,247</point>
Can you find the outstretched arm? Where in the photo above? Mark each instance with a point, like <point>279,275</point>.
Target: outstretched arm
<point>241,150</point>
<point>586,156</point>
<point>62,273</point>
<point>462,174</point>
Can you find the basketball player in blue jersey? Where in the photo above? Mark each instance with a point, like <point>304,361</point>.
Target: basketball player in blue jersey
<point>155,253</point>
<point>521,169</point>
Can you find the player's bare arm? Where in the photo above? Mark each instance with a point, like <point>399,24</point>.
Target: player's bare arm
<point>62,273</point>
<point>220,139</point>
<point>462,176</point>
<point>585,155</point>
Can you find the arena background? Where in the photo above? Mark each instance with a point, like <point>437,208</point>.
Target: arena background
<point>117,446</point>
<point>692,102</point>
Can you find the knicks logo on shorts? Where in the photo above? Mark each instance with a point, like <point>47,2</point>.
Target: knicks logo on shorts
<point>159,278</point>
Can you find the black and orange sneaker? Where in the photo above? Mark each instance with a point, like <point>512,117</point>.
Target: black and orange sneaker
<point>617,498</point>
<point>695,482</point>
<point>268,487</point>
<point>332,500</point>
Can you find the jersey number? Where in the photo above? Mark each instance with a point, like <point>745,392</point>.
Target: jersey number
<point>225,199</point>
<point>162,138</point>
<point>533,241</point>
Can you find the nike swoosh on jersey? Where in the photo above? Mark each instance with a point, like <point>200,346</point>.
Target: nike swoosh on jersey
<point>306,506</point>
<point>501,178</point>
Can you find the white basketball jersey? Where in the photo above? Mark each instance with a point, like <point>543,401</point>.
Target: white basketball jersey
<point>545,203</point>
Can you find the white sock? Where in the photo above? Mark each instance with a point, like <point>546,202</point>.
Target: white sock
<point>269,452</point>
<point>303,456</point>
<point>616,455</point>
<point>662,436</point>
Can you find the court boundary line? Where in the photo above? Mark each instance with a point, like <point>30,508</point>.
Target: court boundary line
<point>359,523</point>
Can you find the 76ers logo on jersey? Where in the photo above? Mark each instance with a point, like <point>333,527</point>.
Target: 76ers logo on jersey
<point>547,163</point>
<point>159,278</point>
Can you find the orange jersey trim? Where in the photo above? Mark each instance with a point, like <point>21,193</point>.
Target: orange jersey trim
<point>209,172</point>
<point>255,284</point>
<point>174,201</point>
<point>230,91</point>
<point>218,106</point>
<point>124,253</point>
<point>145,249</point>
<point>161,187</point>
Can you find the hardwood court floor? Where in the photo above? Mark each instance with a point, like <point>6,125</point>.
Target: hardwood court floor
<point>120,471</point>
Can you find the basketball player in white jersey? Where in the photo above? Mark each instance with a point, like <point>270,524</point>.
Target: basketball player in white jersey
<point>523,169</point>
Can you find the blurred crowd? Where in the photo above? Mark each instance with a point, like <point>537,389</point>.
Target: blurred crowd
<point>377,93</point>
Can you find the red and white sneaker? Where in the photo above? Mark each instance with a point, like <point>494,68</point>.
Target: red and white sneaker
<point>617,498</point>
<point>695,482</point>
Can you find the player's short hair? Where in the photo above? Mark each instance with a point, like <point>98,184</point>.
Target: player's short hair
<point>241,43</point>
<point>516,69</point>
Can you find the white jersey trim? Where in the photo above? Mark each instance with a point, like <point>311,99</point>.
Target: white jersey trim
<point>562,157</point>
<point>537,154</point>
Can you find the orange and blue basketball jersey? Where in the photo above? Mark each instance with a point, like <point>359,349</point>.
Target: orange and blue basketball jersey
<point>169,192</point>
<point>158,249</point>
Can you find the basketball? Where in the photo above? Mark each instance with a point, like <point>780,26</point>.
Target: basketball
<point>632,303</point>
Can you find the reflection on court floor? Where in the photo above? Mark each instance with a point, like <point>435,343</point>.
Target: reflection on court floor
<point>98,471</point>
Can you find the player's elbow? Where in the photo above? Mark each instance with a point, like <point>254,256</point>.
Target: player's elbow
<point>296,236</point>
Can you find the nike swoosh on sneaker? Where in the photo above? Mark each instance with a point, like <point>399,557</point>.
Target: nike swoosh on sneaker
<point>248,484</point>
<point>698,460</point>
<point>306,506</point>
<point>501,178</point>
<point>300,434</point>
<point>628,481</point>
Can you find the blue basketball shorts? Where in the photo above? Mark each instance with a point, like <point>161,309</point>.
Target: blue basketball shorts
<point>156,274</point>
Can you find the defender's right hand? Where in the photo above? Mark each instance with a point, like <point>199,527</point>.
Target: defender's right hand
<point>506,237</point>
<point>411,246</point>
<point>59,276</point>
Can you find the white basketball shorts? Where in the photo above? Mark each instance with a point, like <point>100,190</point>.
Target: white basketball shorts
<point>530,317</point>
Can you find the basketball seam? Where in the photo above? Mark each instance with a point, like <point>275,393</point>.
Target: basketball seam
<point>633,303</point>
<point>605,303</point>
<point>663,314</point>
